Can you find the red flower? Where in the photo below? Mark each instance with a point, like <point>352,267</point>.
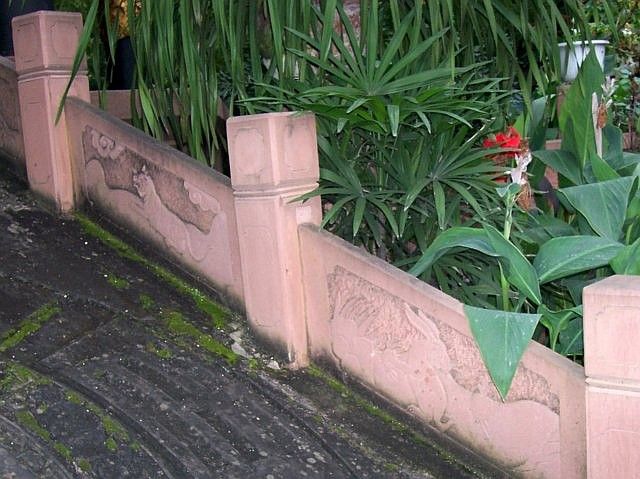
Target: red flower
<point>508,139</point>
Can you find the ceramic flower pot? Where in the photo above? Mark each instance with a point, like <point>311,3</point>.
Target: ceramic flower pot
<point>572,56</point>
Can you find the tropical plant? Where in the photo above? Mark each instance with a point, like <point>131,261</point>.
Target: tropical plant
<point>401,104</point>
<point>394,133</point>
<point>190,53</point>
<point>594,232</point>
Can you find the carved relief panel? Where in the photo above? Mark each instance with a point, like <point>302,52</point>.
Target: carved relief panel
<point>437,374</point>
<point>182,217</point>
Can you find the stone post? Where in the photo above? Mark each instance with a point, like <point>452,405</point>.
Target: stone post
<point>612,367</point>
<point>274,159</point>
<point>45,43</point>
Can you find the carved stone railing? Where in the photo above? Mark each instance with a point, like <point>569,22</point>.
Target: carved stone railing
<point>162,195</point>
<point>11,146</point>
<point>314,296</point>
<point>411,343</point>
<point>183,207</point>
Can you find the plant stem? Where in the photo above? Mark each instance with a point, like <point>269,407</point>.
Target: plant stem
<point>506,232</point>
<point>506,306</point>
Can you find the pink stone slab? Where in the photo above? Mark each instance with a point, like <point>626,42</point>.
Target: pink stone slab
<point>183,207</point>
<point>411,343</point>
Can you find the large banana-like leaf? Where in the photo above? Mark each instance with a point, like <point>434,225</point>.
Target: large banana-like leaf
<point>488,241</point>
<point>568,255</point>
<point>627,261</point>
<point>502,338</point>
<point>603,204</point>
<point>518,270</point>
<point>576,116</point>
<point>564,162</point>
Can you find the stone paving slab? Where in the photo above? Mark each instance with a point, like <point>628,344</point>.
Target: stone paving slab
<point>113,366</point>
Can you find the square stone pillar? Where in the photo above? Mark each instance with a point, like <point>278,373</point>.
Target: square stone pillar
<point>612,366</point>
<point>274,160</point>
<point>45,44</point>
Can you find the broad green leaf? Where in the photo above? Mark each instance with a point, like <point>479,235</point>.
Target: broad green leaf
<point>603,205</point>
<point>612,147</point>
<point>571,339</point>
<point>563,162</point>
<point>575,118</point>
<point>629,163</point>
<point>458,237</point>
<point>545,227</point>
<point>502,338</point>
<point>557,321</point>
<point>601,169</point>
<point>576,284</point>
<point>627,261</point>
<point>568,255</point>
<point>519,271</point>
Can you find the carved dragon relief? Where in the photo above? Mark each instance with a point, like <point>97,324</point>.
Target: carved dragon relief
<point>437,373</point>
<point>182,214</point>
<point>119,162</point>
<point>391,324</point>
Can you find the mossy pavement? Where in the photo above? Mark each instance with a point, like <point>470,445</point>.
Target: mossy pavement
<point>114,364</point>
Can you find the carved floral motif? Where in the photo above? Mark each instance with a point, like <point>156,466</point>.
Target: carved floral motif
<point>119,163</point>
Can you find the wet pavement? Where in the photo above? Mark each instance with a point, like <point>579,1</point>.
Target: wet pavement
<point>114,365</point>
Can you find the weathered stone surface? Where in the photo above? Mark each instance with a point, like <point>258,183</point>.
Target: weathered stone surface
<point>411,343</point>
<point>126,377</point>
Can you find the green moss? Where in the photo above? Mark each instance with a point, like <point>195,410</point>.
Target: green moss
<point>177,325</point>
<point>107,238</point>
<point>383,416</point>
<point>218,314</point>
<point>84,465</point>
<point>29,421</point>
<point>111,444</point>
<point>118,283</point>
<point>146,302</point>
<point>17,375</point>
<point>63,450</point>
<point>390,467</point>
<point>28,326</point>
<point>112,428</point>
<point>253,364</point>
<point>162,353</point>
<point>74,397</point>
<point>135,446</point>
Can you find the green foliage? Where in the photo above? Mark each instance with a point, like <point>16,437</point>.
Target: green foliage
<point>504,337</point>
<point>191,54</point>
<point>400,106</point>
<point>592,233</point>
